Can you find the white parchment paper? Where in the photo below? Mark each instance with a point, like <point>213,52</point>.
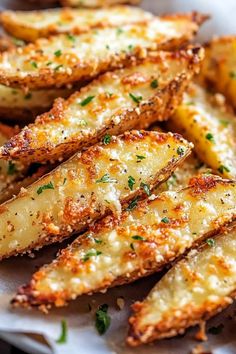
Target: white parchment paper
<point>82,336</point>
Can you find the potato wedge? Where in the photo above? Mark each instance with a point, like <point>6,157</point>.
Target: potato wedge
<point>16,105</point>
<point>206,122</point>
<point>58,60</point>
<point>143,241</point>
<point>116,102</point>
<point>194,290</point>
<point>89,185</point>
<point>219,68</point>
<point>97,3</point>
<point>31,25</point>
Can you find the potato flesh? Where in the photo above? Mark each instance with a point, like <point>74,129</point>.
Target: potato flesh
<point>36,218</point>
<point>210,127</point>
<point>116,97</point>
<point>193,290</point>
<point>168,225</point>
<point>30,25</point>
<point>57,58</point>
<point>219,68</point>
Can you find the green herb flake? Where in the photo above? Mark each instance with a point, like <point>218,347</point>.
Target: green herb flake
<point>154,84</point>
<point>138,238</point>
<point>136,99</point>
<point>44,187</point>
<point>216,330</point>
<point>64,333</point>
<point>96,240</point>
<point>106,179</point>
<point>146,188</point>
<point>57,53</point>
<point>180,151</point>
<point>58,67</point>
<point>232,74</point>
<point>65,179</point>
<point>11,169</point>
<point>107,47</point>
<point>132,247</point>
<point>140,158</point>
<point>102,319</point>
<point>34,64</point>
<point>70,37</point>
<point>89,254</point>
<point>107,139</point>
<point>49,63</point>
<point>119,31</point>
<point>165,220</point>
<point>28,96</point>
<point>86,101</point>
<point>131,182</point>
<point>224,122</point>
<point>130,46</point>
<point>210,137</point>
<point>223,169</point>
<point>210,242</point>
<point>132,204</point>
<point>172,181</point>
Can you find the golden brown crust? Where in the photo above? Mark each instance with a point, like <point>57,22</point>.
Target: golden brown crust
<point>78,68</point>
<point>34,143</point>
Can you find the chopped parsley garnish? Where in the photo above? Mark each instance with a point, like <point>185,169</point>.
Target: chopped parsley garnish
<point>224,122</point>
<point>65,179</point>
<point>11,169</point>
<point>131,182</point>
<point>165,220</point>
<point>71,37</point>
<point>107,46</point>
<point>146,188</point>
<point>138,238</point>
<point>140,158</point>
<point>130,46</point>
<point>57,53</point>
<point>132,204</point>
<point>49,63</point>
<point>119,31</point>
<point>106,179</point>
<point>232,74</point>
<point>103,320</point>
<point>86,101</point>
<point>136,99</point>
<point>107,139</point>
<point>210,242</point>
<point>172,181</point>
<point>58,67</point>
<point>34,64</point>
<point>216,330</point>
<point>180,151</point>
<point>210,137</point>
<point>64,331</point>
<point>90,254</point>
<point>97,241</point>
<point>44,187</point>
<point>18,42</point>
<point>28,96</point>
<point>154,84</point>
<point>223,169</point>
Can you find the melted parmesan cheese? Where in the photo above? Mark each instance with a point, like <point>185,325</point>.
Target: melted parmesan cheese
<point>195,287</point>
<point>30,25</point>
<point>143,241</point>
<point>60,60</point>
<point>210,127</point>
<point>116,102</point>
<point>86,187</point>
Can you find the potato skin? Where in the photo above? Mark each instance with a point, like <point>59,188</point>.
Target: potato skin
<point>56,135</point>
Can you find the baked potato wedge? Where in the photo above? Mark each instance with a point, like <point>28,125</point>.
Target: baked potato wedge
<point>142,241</point>
<point>97,3</point>
<point>59,61</point>
<point>17,105</point>
<point>203,119</point>
<point>194,290</point>
<point>115,102</point>
<point>31,25</point>
<point>91,184</point>
<point>219,67</point>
